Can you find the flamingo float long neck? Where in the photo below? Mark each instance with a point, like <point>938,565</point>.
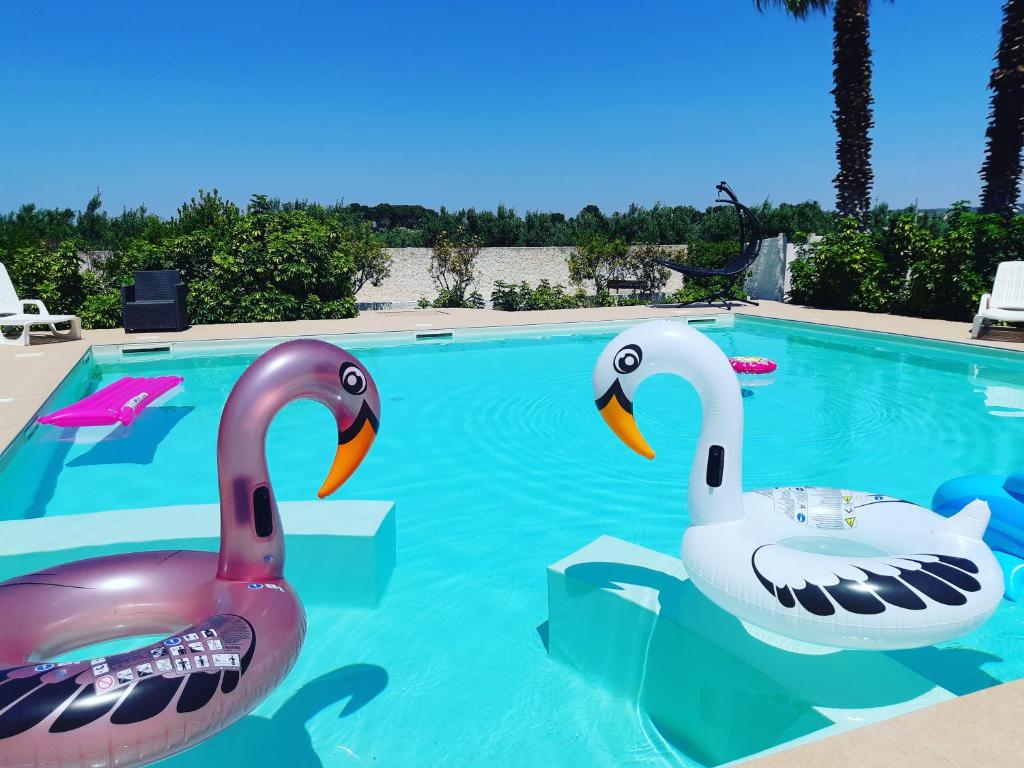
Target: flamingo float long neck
<point>252,540</point>
<point>236,624</point>
<point>716,475</point>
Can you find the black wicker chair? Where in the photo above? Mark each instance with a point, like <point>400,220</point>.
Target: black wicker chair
<point>737,266</point>
<point>155,303</point>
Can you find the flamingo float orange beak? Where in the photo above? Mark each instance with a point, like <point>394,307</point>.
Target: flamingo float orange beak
<point>353,445</point>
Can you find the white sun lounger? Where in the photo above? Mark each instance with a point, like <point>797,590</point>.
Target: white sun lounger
<point>1006,302</point>
<point>13,315</point>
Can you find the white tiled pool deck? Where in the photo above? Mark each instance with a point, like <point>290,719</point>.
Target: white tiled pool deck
<point>981,729</point>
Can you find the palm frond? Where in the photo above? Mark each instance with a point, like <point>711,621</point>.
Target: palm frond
<point>799,9</point>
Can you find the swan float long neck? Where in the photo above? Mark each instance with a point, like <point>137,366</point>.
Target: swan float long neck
<point>252,540</point>
<point>662,346</point>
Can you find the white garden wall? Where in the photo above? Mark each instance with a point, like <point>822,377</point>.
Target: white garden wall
<point>410,279</point>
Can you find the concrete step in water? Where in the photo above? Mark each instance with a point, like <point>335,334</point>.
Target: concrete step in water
<point>337,552</point>
<point>714,687</point>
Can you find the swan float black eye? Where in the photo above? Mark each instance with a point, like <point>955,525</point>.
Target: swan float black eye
<point>628,359</point>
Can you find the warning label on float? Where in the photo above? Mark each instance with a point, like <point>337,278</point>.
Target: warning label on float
<point>825,509</point>
<point>229,636</point>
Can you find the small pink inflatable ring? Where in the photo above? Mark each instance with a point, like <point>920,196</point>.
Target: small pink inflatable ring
<point>752,364</point>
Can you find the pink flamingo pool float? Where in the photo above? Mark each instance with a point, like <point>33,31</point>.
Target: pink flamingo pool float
<point>234,624</point>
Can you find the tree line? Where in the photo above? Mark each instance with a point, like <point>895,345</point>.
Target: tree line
<point>94,229</point>
<point>277,260</point>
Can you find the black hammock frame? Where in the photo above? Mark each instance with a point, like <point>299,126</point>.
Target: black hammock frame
<point>737,266</point>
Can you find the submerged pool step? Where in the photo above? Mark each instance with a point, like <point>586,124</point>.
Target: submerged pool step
<point>338,552</point>
<point>717,689</point>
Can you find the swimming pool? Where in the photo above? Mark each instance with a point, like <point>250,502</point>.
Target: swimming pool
<point>500,465</point>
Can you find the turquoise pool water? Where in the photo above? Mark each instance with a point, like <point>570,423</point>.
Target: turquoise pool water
<point>500,465</point>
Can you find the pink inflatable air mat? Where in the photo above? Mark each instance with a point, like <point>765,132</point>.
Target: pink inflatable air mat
<point>120,402</point>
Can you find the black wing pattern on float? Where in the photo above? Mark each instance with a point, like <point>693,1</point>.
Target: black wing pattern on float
<point>876,584</point>
<point>26,701</point>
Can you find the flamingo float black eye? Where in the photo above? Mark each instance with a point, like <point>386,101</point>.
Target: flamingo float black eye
<point>352,379</point>
<point>825,565</point>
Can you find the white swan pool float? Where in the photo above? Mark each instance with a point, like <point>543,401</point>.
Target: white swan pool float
<point>824,565</point>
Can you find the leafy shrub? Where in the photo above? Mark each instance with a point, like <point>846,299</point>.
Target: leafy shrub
<point>909,264</point>
<point>277,266</point>
<point>948,280</point>
<point>453,270</point>
<point>509,297</point>
<point>270,262</point>
<point>372,262</point>
<point>517,298</point>
<point>905,244</point>
<point>101,310</point>
<point>641,265</point>
<point>598,259</point>
<point>449,300</point>
<point>843,270</point>
<point>50,274</point>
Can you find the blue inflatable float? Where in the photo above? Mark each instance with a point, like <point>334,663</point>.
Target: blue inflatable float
<point>1005,534</point>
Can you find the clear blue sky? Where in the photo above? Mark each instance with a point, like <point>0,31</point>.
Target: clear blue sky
<point>537,104</point>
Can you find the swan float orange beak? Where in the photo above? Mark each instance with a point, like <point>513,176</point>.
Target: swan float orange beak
<point>353,445</point>
<point>617,411</point>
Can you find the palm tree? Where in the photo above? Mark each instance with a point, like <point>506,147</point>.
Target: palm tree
<point>851,59</point>
<point>1000,173</point>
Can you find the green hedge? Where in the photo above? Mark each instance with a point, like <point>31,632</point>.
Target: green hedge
<point>517,298</point>
<point>909,264</point>
<point>265,263</point>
